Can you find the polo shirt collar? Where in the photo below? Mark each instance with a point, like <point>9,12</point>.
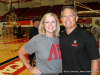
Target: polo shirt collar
<point>77,29</point>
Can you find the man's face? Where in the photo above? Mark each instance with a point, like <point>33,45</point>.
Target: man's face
<point>68,18</point>
<point>37,23</point>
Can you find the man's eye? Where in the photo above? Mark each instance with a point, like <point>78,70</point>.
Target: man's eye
<point>64,16</point>
<point>71,16</point>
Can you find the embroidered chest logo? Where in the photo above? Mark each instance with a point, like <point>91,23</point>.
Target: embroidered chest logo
<point>75,43</point>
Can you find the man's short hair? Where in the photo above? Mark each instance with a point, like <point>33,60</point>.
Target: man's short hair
<point>36,19</point>
<point>69,7</point>
<point>96,21</point>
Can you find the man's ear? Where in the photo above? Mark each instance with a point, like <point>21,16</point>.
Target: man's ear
<point>76,18</point>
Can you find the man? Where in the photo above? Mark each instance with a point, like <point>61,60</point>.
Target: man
<point>80,55</point>
<point>33,32</point>
<point>96,31</point>
<point>19,32</point>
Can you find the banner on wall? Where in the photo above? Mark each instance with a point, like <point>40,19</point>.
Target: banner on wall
<point>4,24</point>
<point>60,21</point>
<point>8,24</point>
<point>27,22</point>
<point>66,1</point>
<point>88,20</point>
<point>11,24</point>
<point>85,20</point>
<point>36,2</point>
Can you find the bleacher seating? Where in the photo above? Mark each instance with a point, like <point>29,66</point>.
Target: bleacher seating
<point>57,9</point>
<point>30,13</point>
<point>35,12</point>
<point>18,12</point>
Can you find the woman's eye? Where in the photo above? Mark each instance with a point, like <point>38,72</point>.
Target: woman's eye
<point>53,22</point>
<point>46,22</point>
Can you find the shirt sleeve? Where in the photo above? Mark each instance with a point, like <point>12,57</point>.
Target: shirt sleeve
<point>31,46</point>
<point>94,30</point>
<point>92,48</point>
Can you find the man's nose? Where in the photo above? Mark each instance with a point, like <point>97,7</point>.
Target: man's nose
<point>67,18</point>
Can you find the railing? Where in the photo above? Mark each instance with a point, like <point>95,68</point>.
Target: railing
<point>21,18</point>
<point>59,15</point>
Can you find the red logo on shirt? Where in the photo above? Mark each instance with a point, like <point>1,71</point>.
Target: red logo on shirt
<point>75,43</point>
<point>53,51</point>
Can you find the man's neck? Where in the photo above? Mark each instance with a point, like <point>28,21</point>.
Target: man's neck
<point>35,26</point>
<point>69,30</point>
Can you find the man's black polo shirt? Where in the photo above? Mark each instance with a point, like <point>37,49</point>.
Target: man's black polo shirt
<point>33,32</point>
<point>78,49</point>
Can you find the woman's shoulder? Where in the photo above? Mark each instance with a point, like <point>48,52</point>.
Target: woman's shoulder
<point>38,36</point>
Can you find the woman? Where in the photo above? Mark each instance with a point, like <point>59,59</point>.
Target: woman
<point>46,47</point>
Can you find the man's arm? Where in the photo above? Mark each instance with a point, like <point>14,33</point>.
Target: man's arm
<point>95,67</point>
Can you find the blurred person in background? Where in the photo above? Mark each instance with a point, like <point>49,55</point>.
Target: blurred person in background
<point>95,30</point>
<point>33,32</point>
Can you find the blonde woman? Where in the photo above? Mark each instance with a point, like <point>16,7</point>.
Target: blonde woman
<point>46,47</point>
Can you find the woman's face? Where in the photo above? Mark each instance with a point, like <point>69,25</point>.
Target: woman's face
<point>50,24</point>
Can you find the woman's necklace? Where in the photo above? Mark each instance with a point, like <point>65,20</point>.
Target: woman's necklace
<point>50,40</point>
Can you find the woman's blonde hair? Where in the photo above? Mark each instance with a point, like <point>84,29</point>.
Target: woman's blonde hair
<point>42,27</point>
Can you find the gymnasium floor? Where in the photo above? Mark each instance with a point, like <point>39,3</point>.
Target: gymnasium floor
<point>10,64</point>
